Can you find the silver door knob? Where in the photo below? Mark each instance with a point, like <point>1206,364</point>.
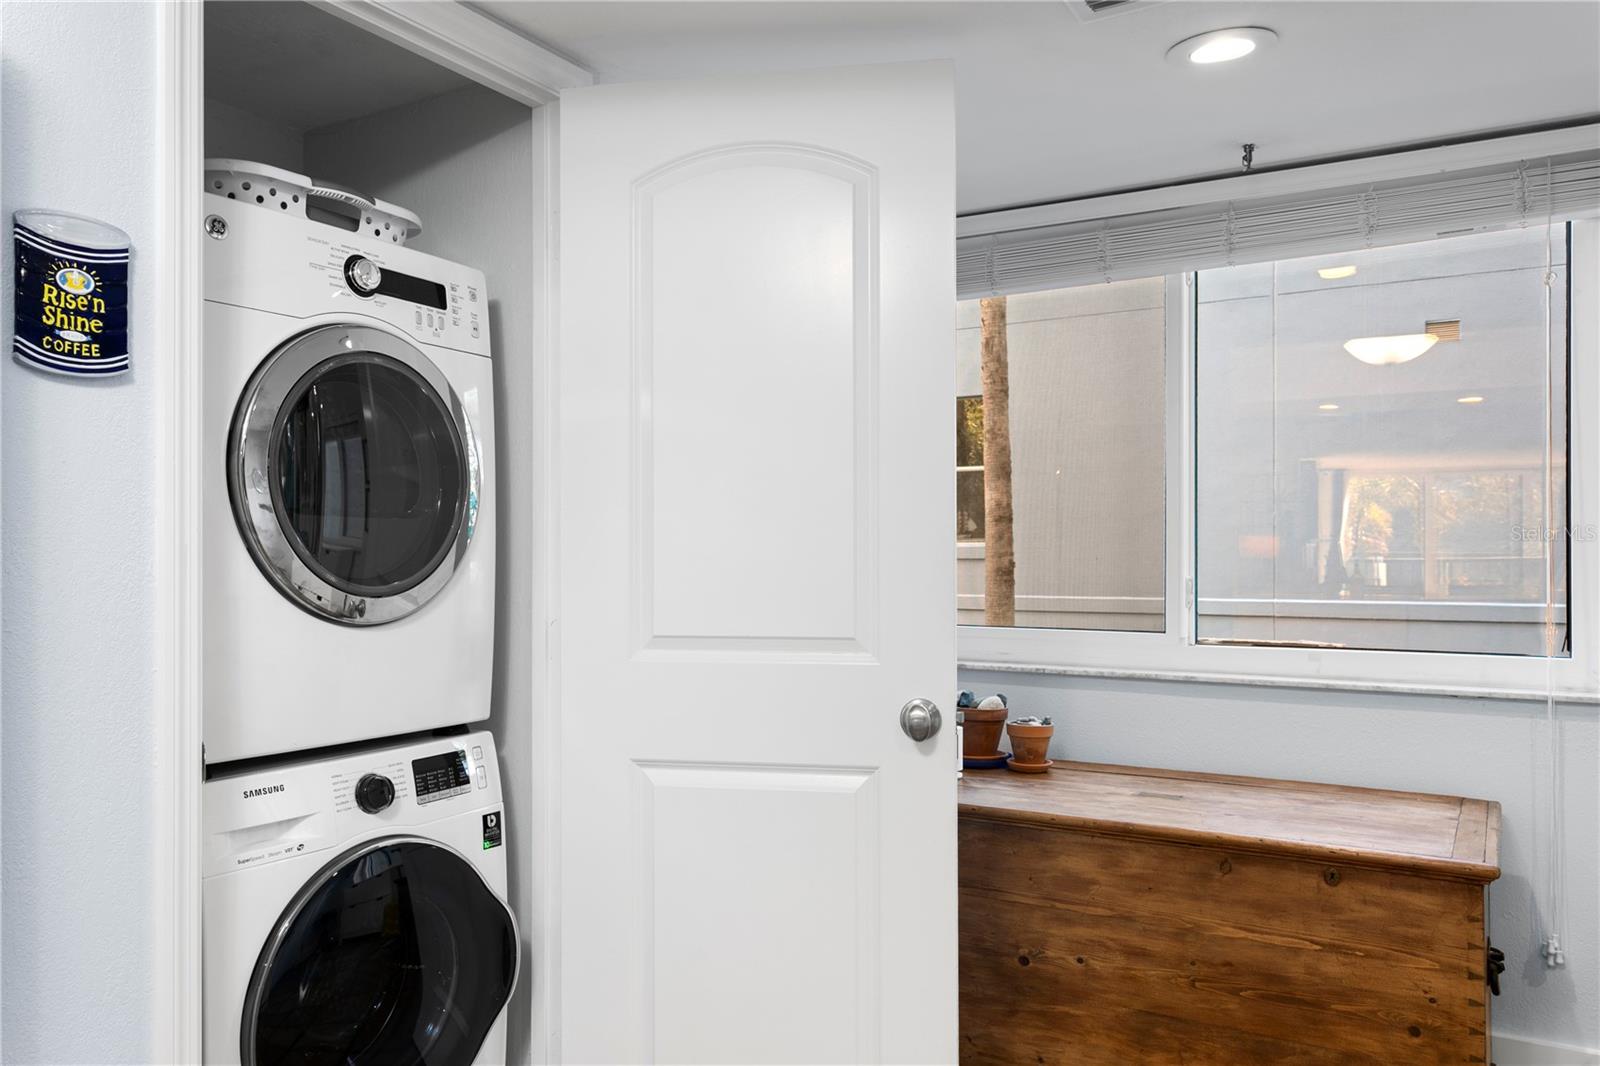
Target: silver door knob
<point>920,719</point>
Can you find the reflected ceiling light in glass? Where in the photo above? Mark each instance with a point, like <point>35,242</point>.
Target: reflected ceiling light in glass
<point>1327,407</point>
<point>1387,351</point>
<point>1469,399</point>
<point>1335,273</point>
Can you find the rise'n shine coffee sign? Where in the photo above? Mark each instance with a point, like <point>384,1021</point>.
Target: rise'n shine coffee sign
<point>72,294</point>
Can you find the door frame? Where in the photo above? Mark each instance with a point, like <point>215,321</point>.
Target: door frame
<point>477,47</point>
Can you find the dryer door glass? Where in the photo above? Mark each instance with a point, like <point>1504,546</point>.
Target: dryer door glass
<point>397,955</point>
<point>369,474</point>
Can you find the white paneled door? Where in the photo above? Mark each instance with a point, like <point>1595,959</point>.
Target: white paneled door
<point>756,456</point>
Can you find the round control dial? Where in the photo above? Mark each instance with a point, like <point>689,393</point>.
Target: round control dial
<point>374,792</point>
<point>362,274</point>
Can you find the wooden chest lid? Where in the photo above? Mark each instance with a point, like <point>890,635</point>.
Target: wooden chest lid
<point>1436,836</point>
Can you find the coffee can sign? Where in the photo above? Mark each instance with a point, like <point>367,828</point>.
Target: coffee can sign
<point>71,294</point>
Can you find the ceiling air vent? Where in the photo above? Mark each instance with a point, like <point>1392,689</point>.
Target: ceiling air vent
<point>1094,10</point>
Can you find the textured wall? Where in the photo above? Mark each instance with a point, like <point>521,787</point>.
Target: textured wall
<point>77,111</point>
<point>1493,749</point>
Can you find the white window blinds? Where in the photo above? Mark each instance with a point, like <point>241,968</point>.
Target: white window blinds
<point>1254,230</point>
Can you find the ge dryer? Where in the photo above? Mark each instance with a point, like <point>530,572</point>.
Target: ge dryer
<point>349,554</point>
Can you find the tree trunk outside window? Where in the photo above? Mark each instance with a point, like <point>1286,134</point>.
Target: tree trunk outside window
<point>999,556</point>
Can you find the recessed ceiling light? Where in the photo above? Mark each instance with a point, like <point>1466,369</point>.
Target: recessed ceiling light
<point>1221,46</point>
<point>1335,273</point>
<point>1327,407</point>
<point>1470,399</point>
<point>1387,351</point>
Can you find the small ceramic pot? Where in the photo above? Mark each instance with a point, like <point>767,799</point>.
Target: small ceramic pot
<point>1030,746</point>
<point>980,732</point>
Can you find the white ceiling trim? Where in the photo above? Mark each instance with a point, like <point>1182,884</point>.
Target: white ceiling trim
<point>470,43</point>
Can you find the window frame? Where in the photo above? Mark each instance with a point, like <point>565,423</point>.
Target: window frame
<point>1175,653</point>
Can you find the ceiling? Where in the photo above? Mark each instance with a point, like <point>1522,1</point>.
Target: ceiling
<point>1053,103</point>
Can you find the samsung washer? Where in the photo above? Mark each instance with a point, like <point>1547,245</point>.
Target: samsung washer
<point>354,910</point>
<point>349,556</point>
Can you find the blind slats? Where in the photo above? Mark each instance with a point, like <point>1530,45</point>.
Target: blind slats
<point>1245,231</point>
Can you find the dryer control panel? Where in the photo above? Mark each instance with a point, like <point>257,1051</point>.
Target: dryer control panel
<point>294,266</point>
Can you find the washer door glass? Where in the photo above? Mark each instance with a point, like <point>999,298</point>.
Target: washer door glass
<point>368,474</point>
<point>398,955</point>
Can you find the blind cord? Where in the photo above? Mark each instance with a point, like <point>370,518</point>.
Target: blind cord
<point>1554,851</point>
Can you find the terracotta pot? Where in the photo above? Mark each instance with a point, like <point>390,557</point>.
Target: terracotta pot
<point>1030,745</point>
<point>980,732</point>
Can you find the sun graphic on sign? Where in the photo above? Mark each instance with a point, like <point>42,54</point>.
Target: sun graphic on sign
<point>75,279</point>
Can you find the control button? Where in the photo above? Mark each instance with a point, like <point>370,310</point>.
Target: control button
<point>483,778</point>
<point>362,274</point>
<point>477,754</point>
<point>419,316</point>
<point>430,319</point>
<point>374,792</point>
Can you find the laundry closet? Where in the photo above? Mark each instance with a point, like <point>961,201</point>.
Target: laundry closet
<point>376,258</point>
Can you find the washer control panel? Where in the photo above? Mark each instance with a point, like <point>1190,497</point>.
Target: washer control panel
<point>269,813</point>
<point>441,776</point>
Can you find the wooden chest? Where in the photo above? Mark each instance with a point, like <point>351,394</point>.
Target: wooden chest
<point>1116,915</point>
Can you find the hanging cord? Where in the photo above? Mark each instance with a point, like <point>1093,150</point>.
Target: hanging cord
<point>1555,853</point>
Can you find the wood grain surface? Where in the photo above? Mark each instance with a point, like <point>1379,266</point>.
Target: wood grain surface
<point>1117,916</point>
<point>1446,836</point>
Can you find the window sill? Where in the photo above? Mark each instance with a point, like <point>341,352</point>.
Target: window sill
<point>1271,681</point>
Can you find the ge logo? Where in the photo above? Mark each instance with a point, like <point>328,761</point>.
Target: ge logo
<point>491,820</point>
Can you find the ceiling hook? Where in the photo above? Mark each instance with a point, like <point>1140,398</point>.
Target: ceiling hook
<point>1249,159</point>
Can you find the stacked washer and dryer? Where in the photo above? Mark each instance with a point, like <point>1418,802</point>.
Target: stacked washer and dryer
<point>354,852</point>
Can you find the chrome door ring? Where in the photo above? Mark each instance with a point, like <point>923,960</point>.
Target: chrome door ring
<point>251,440</point>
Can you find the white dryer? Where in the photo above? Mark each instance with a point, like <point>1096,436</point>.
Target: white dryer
<point>349,553</point>
<point>354,910</point>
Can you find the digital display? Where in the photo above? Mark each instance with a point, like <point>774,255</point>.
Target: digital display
<point>441,776</point>
<point>417,290</point>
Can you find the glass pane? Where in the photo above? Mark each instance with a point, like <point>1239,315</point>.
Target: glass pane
<point>969,431</point>
<point>403,958</point>
<point>969,507</point>
<point>1371,434</point>
<point>1084,373</point>
<point>370,475</point>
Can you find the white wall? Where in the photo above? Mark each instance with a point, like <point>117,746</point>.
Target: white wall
<point>1490,749</point>
<point>77,115</point>
<point>462,161</point>
<point>234,133</point>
